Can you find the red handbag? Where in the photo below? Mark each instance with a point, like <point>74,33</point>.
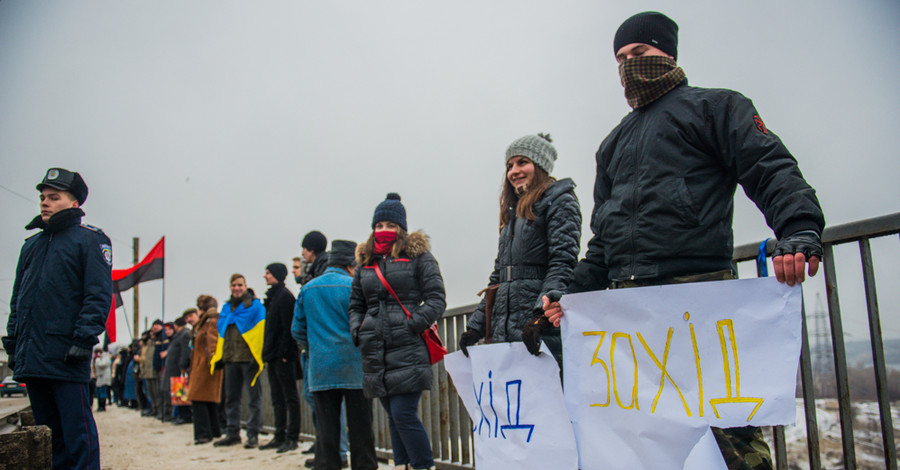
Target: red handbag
<point>436,349</point>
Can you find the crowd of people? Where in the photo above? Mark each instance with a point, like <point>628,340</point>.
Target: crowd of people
<point>338,335</point>
<point>662,214</point>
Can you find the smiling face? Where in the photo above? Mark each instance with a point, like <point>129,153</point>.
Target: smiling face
<point>238,288</point>
<point>54,200</point>
<point>638,49</point>
<point>270,279</point>
<point>519,172</point>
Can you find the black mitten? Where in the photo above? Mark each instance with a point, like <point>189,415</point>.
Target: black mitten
<point>531,333</point>
<point>470,337</point>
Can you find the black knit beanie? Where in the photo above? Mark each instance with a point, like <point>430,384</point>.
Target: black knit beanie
<point>314,241</point>
<point>278,271</point>
<point>649,27</point>
<point>390,210</point>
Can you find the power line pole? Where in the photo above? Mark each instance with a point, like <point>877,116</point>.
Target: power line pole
<point>135,242</point>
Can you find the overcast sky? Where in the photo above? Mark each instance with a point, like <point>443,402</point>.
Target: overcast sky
<point>233,128</point>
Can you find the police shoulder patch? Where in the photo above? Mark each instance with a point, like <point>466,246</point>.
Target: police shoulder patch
<point>92,228</point>
<point>106,251</point>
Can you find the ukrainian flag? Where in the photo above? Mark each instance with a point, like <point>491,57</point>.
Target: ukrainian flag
<point>251,322</point>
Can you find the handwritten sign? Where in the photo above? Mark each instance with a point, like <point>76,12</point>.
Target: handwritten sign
<point>647,370</point>
<point>516,404</point>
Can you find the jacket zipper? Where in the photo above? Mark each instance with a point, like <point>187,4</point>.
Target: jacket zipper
<point>639,156</point>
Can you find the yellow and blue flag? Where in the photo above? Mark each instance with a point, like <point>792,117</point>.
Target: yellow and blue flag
<point>251,322</point>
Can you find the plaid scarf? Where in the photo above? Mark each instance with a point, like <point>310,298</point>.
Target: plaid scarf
<point>647,78</point>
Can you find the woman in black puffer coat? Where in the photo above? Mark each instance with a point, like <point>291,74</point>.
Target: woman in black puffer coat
<point>540,232</point>
<point>396,364</point>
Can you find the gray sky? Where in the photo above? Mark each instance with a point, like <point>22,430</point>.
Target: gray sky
<point>233,128</point>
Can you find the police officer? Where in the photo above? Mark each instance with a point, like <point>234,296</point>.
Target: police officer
<point>60,301</point>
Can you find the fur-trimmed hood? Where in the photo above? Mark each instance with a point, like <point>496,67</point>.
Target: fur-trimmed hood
<point>417,244</point>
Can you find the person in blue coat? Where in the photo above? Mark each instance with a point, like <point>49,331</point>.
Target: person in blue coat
<point>335,365</point>
<point>60,301</point>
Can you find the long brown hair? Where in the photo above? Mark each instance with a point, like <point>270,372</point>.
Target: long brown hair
<point>399,245</point>
<point>524,202</point>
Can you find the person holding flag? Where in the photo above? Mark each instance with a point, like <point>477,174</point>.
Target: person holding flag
<point>241,326</point>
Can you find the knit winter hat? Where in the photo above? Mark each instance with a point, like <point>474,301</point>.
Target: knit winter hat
<point>536,148</point>
<point>342,254</point>
<point>649,27</point>
<point>390,210</point>
<point>278,271</point>
<point>314,241</point>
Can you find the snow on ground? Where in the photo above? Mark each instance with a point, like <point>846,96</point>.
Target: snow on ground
<point>866,435</point>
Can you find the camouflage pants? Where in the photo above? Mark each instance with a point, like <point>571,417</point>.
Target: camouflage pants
<point>743,448</point>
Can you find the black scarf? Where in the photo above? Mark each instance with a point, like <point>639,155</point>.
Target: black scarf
<point>58,221</point>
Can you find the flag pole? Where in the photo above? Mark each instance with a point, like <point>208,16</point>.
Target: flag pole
<point>164,285</point>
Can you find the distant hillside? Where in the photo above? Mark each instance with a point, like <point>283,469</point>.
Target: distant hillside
<point>859,353</point>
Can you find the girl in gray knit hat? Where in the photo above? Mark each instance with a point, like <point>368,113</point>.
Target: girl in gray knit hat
<point>540,233</point>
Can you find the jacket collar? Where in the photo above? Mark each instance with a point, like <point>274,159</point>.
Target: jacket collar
<point>58,221</point>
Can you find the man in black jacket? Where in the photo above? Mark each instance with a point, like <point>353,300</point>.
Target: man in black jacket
<point>281,355</point>
<point>178,361</point>
<point>60,301</point>
<point>664,190</point>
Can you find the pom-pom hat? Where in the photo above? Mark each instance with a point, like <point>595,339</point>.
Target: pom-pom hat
<point>390,210</point>
<point>536,148</point>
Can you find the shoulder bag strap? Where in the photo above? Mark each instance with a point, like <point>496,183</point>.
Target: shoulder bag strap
<point>390,289</point>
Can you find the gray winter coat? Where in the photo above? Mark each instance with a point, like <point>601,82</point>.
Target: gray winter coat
<point>395,358</point>
<point>533,258</point>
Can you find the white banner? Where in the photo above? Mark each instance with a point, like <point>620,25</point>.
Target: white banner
<point>647,370</point>
<point>516,404</point>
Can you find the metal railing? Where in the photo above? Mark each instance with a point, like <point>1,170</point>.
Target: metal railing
<point>450,428</point>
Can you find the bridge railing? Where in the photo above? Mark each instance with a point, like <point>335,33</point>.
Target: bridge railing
<point>450,428</point>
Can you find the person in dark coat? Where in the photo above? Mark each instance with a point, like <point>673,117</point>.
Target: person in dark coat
<point>315,258</point>
<point>281,355</point>
<point>665,184</point>
<point>60,301</point>
<point>540,233</point>
<point>160,353</point>
<point>178,361</point>
<point>396,363</point>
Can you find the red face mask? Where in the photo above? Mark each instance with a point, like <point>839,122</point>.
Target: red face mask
<point>384,241</point>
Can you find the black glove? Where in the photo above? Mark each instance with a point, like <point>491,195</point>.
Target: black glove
<point>531,333</point>
<point>9,344</point>
<point>77,354</point>
<point>806,242</point>
<point>470,337</point>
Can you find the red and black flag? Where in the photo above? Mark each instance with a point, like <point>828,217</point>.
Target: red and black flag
<point>150,268</point>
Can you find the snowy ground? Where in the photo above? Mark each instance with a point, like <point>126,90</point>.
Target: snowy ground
<point>128,441</point>
<point>866,435</point>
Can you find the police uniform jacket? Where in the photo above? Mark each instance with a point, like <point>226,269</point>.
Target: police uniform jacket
<point>61,297</point>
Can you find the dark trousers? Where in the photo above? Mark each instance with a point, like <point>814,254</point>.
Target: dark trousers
<point>328,434</point>
<point>408,436</point>
<point>153,392</point>
<point>165,397</point>
<point>102,394</point>
<point>237,374</point>
<point>285,399</point>
<point>65,408</point>
<point>206,423</point>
